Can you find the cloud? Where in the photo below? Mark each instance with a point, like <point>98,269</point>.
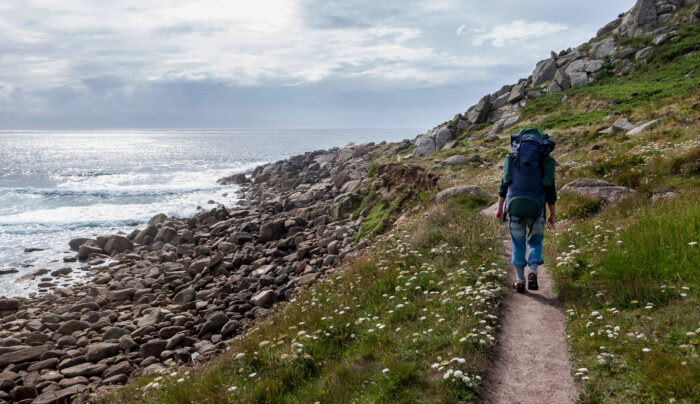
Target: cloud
<point>516,32</point>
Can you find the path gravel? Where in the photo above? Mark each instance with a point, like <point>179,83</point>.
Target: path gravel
<point>531,363</point>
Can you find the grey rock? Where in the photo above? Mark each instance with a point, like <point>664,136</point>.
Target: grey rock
<point>424,146</point>
<point>157,219</point>
<point>97,352</point>
<point>544,71</point>
<point>153,348</point>
<point>114,333</point>
<point>562,79</point>
<point>264,299</point>
<point>554,88</point>
<point>510,122</point>
<point>609,27</point>
<point>442,136</point>
<point>273,230</point>
<point>578,78</point>
<point>153,317</point>
<point>84,369</point>
<point>214,323</point>
<point>604,48</point>
<point>185,296</point>
<point>71,326</point>
<point>643,13</point>
<point>621,125</point>
<point>643,53</point>
<point>22,355</point>
<point>500,101</point>
<point>517,93</point>
<point>126,343</point>
<point>661,39</point>
<point>597,189</point>
<point>85,250</point>
<point>166,234</point>
<point>75,243</point>
<point>641,128</point>
<point>462,190</point>
<point>60,396</point>
<point>480,111</point>
<point>118,244</point>
<point>455,161</point>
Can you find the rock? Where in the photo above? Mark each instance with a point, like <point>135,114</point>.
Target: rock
<point>59,397</point>
<point>153,348</point>
<point>510,122</point>
<point>517,93</point>
<point>604,48</point>
<point>166,234</point>
<point>661,39</point>
<point>643,13</point>
<point>609,27</point>
<point>643,53</point>
<point>442,136</point>
<point>20,393</point>
<point>480,111</point>
<point>562,79</point>
<point>9,304</point>
<point>120,296</point>
<point>544,71</point>
<point>621,125</point>
<point>85,250</point>
<point>49,363</point>
<point>73,381</point>
<point>22,355</point>
<point>214,323</point>
<point>578,78</point>
<point>114,333</point>
<point>8,271</point>
<point>116,379</point>
<point>230,328</point>
<point>273,230</point>
<point>97,352</point>
<point>184,296</point>
<point>84,369</point>
<point>264,299</point>
<point>455,161</point>
<point>424,145</point>
<point>351,186</point>
<point>597,189</point>
<point>237,179</point>
<point>641,128</point>
<point>157,219</point>
<point>462,190</point>
<point>153,317</point>
<point>554,87</point>
<point>663,195</point>
<point>71,326</point>
<point>75,243</point>
<point>118,244</point>
<point>126,343</point>
<point>61,272</point>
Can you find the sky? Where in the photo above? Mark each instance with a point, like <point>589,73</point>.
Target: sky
<point>89,64</point>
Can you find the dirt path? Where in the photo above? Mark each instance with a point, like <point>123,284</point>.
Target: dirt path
<point>531,363</point>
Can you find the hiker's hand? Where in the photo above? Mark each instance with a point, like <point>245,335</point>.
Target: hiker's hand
<point>550,221</point>
<point>499,214</point>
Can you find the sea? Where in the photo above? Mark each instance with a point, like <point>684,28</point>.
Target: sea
<point>59,185</point>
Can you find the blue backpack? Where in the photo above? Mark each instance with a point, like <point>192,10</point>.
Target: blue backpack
<point>528,169</point>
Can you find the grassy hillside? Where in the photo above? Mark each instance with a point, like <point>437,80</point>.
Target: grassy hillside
<point>413,320</point>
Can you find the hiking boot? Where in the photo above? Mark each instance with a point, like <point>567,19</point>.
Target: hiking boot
<point>519,287</point>
<point>532,281</point>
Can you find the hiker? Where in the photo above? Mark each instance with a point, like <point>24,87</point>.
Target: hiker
<point>526,187</point>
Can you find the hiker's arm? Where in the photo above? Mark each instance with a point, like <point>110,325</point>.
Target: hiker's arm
<point>550,218</point>
<point>499,212</point>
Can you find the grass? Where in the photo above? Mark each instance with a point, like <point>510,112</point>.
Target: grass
<point>411,320</point>
<point>629,281</point>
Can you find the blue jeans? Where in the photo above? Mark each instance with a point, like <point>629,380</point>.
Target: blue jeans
<point>519,228</point>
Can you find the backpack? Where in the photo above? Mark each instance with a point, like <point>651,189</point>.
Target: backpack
<point>528,169</point>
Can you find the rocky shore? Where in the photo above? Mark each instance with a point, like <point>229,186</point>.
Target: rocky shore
<point>175,291</point>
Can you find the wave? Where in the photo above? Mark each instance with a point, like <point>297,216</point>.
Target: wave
<point>104,193</point>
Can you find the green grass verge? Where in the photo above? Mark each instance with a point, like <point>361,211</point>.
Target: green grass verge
<point>629,282</point>
<point>412,320</point>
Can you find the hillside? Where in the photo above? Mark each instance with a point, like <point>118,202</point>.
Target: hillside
<point>410,312</point>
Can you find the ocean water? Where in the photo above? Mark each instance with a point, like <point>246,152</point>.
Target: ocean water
<point>55,186</point>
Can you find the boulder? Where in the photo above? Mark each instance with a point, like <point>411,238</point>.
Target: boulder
<point>22,355</point>
<point>153,317</point>
<point>97,352</point>
<point>643,53</point>
<point>480,111</point>
<point>214,322</point>
<point>157,219</point>
<point>641,128</point>
<point>185,296</point>
<point>597,189</point>
<point>153,347</point>
<point>604,48</point>
<point>75,243</point>
<point>621,125</point>
<point>442,136</point>
<point>236,179</point>
<point>578,78</point>
<point>462,190</point>
<point>517,93</point>
<point>265,299</point>
<point>84,369</point>
<point>59,396</point>
<point>9,304</point>
<point>273,230</point>
<point>455,161</point>
<point>118,244</point>
<point>543,72</point>
<point>424,145</point>
<point>85,250</point>
<point>643,13</point>
<point>166,234</point>
<point>71,326</point>
<point>561,78</point>
<point>510,122</point>
<point>660,39</point>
